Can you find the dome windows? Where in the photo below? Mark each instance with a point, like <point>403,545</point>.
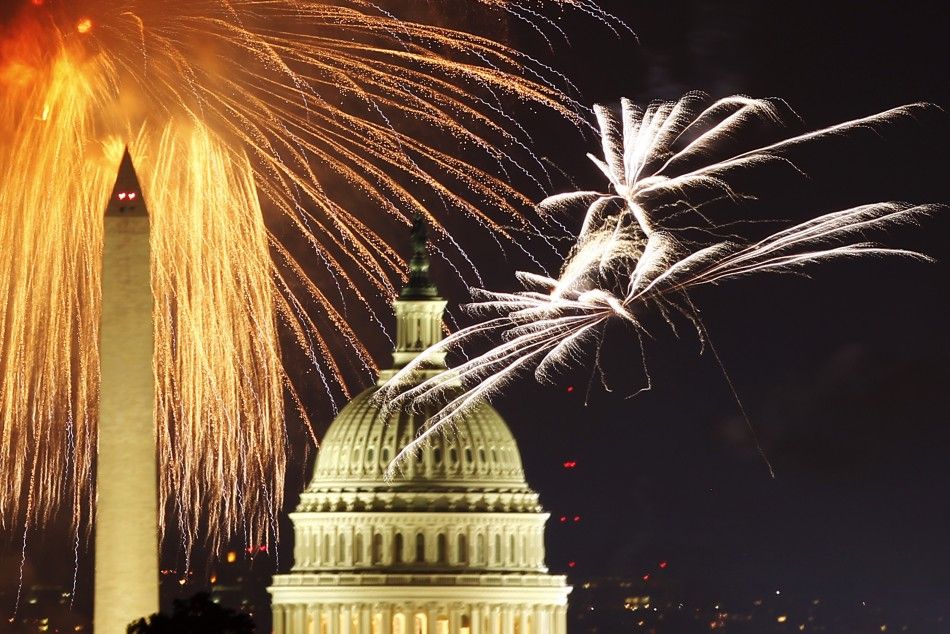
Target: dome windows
<point>462,549</point>
<point>442,549</point>
<point>398,548</point>
<point>421,547</point>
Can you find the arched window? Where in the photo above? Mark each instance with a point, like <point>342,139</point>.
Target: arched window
<point>462,549</point>
<point>421,625</point>
<point>377,548</point>
<point>480,548</point>
<point>512,555</point>
<point>397,548</point>
<point>420,547</point>
<point>497,548</point>
<point>399,624</point>
<point>358,549</point>
<point>442,549</point>
<point>326,548</point>
<point>341,548</point>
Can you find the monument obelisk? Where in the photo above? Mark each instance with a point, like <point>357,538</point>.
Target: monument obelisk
<point>126,525</point>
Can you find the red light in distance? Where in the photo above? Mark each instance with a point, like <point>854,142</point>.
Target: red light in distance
<point>571,564</point>
<point>569,464</point>
<point>663,564</point>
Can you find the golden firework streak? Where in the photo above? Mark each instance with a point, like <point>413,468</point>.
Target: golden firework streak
<point>230,107</point>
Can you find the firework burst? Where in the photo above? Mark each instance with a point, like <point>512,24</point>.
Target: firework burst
<point>645,244</point>
<point>233,109</point>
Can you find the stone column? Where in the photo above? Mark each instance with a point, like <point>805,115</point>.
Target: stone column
<point>346,620</point>
<point>334,616</point>
<point>278,614</point>
<point>298,619</point>
<point>523,619</point>
<point>508,620</point>
<point>387,614</point>
<point>540,618</point>
<point>431,616</point>
<point>366,619</point>
<point>313,619</point>
<point>547,615</point>
<point>455,619</point>
<point>475,619</point>
<point>560,620</point>
<point>495,619</point>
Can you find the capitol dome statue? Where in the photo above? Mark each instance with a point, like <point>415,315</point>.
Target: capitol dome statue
<point>453,545</point>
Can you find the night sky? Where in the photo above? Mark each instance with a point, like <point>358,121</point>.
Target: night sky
<point>845,375</point>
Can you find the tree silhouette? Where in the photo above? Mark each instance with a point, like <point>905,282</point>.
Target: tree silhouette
<point>196,615</point>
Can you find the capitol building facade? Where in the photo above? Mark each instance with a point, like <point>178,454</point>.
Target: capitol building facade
<point>452,545</point>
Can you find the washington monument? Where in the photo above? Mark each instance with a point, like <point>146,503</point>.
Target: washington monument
<point>126,566</point>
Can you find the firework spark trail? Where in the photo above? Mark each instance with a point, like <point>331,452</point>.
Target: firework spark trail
<point>231,108</point>
<point>638,253</point>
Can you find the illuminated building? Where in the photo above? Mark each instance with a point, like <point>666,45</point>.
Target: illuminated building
<point>126,567</point>
<point>452,545</point>
<point>44,609</point>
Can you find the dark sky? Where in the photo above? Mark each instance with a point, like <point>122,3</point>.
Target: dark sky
<point>845,375</point>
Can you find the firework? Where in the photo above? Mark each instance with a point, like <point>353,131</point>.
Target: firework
<point>232,109</point>
<point>644,244</point>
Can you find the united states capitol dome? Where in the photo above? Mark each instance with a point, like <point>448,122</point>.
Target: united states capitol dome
<point>477,461</point>
<point>454,544</point>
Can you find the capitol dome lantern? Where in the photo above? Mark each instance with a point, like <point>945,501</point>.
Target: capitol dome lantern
<point>453,545</point>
